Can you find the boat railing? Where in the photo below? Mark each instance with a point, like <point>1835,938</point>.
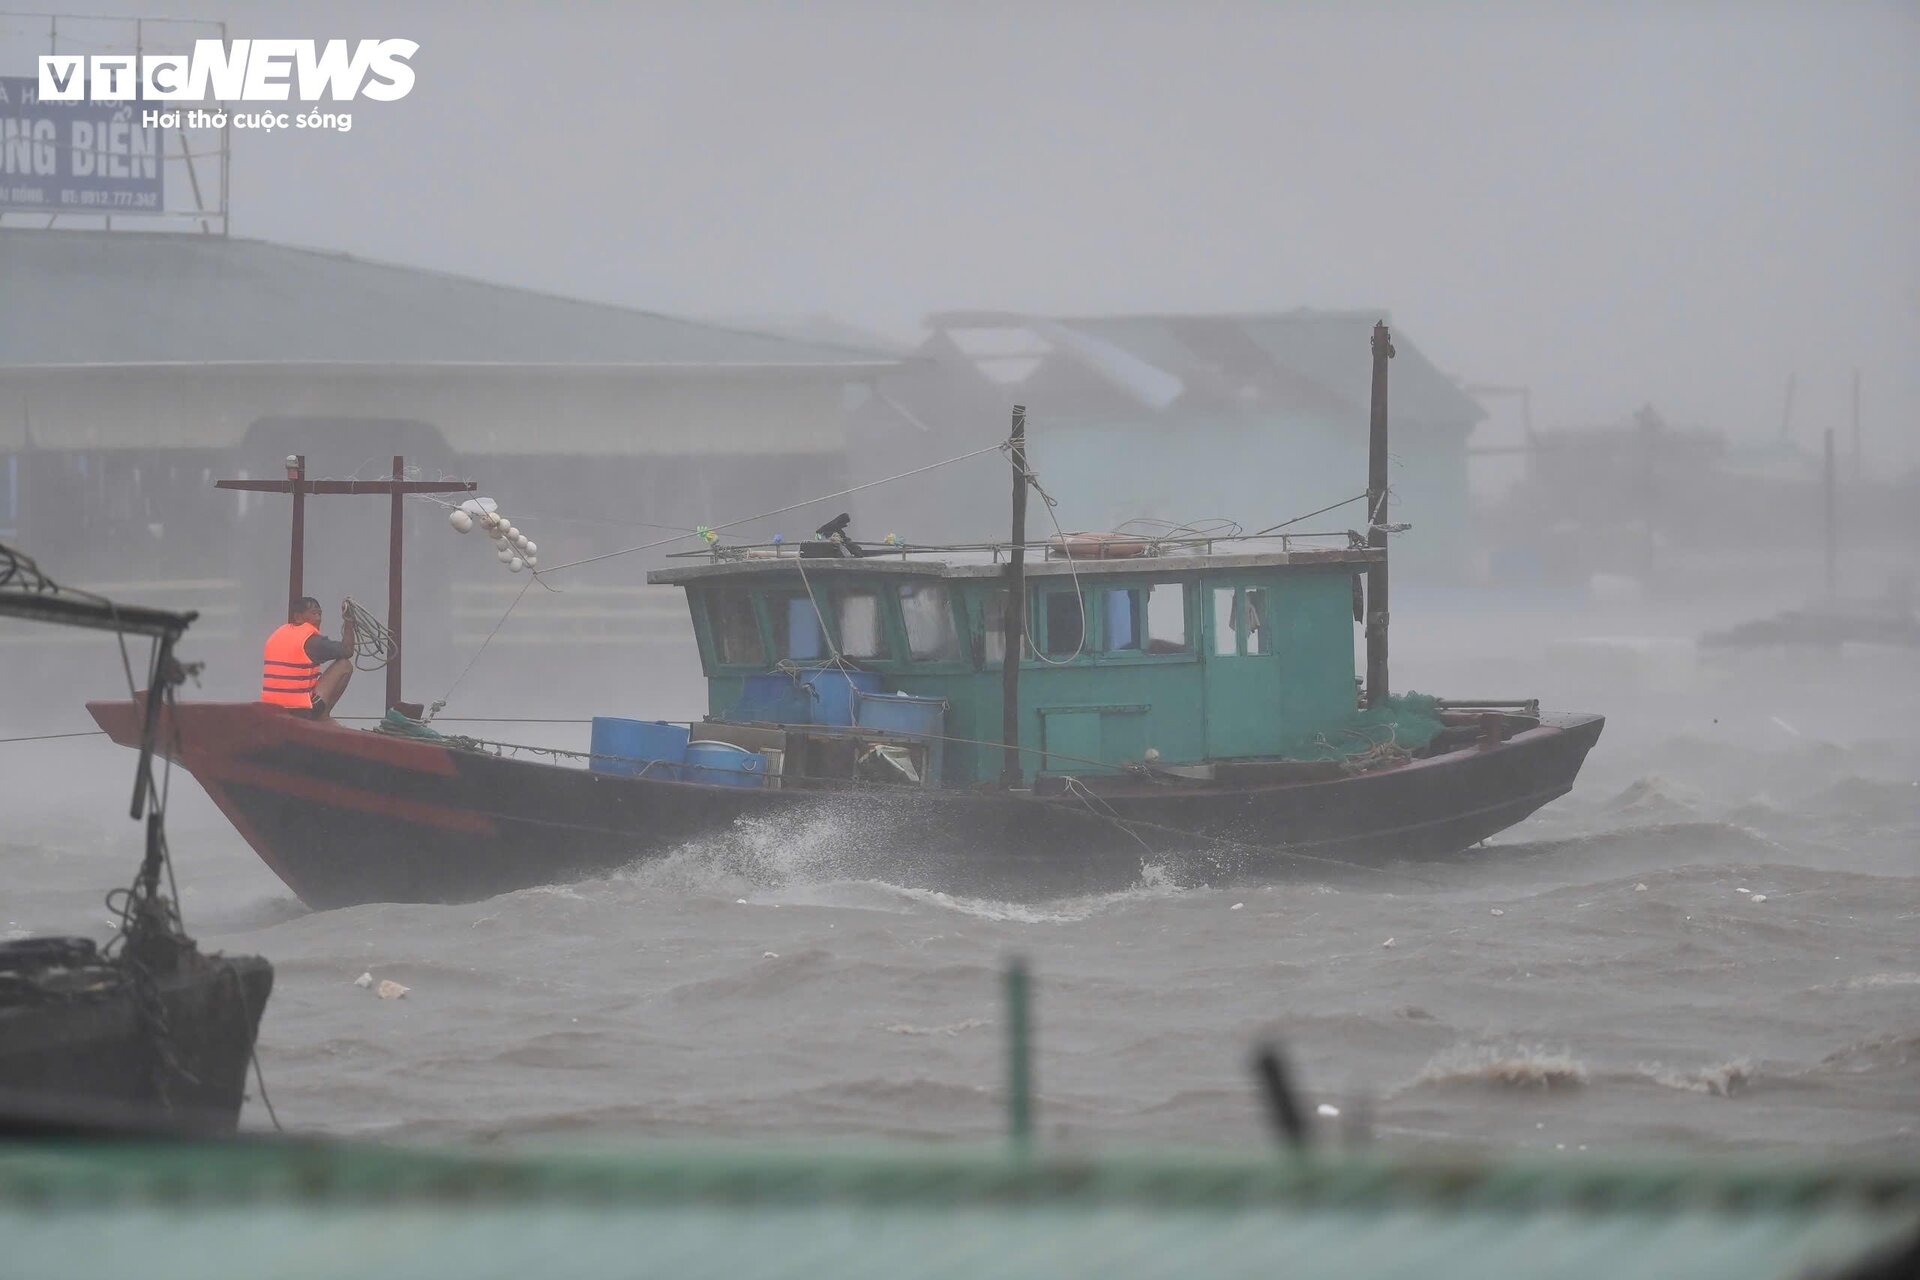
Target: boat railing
<point>1052,548</point>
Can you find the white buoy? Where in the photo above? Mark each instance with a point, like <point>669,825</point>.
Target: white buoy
<point>516,564</point>
<point>503,555</point>
<point>461,521</point>
<point>520,541</point>
<point>532,547</point>
<point>532,561</point>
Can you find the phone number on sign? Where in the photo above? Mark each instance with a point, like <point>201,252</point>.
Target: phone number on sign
<point>112,199</point>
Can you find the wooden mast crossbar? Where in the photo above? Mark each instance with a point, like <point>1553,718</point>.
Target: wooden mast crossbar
<point>396,487</point>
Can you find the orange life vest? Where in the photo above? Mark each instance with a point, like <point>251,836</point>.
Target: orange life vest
<point>288,676</point>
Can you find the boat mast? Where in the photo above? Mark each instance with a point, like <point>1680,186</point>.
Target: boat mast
<point>1015,617</point>
<point>396,488</point>
<point>1377,521</point>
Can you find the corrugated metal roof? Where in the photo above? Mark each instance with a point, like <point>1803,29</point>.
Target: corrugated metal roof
<point>1303,360</point>
<point>295,1210</point>
<point>118,298</point>
<point>1328,349</point>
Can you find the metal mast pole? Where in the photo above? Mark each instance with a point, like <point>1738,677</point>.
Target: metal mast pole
<point>297,555</point>
<point>1377,521</point>
<point>1015,623</point>
<point>395,530</point>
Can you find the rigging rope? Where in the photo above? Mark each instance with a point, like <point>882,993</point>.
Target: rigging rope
<point>373,645</point>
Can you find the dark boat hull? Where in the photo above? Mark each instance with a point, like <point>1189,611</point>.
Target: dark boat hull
<point>90,1059</point>
<point>347,816</point>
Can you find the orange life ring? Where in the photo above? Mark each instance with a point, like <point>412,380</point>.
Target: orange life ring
<point>1096,546</point>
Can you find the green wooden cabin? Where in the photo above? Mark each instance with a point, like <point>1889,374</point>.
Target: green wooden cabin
<point>1194,657</point>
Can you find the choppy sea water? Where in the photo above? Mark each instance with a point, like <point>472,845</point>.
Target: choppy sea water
<point>1714,942</point>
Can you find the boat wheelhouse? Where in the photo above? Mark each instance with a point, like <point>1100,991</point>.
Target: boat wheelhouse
<point>1171,661</point>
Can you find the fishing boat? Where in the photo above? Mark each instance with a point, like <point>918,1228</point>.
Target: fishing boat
<point>1186,703</point>
<point>147,1032</point>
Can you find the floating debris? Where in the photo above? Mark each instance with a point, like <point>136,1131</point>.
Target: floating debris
<point>1236,906</point>
<point>1497,912</point>
<point>390,990</point>
<point>364,981</point>
<point>1387,943</point>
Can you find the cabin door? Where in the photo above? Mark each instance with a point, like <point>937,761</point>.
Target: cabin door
<point>1242,670</point>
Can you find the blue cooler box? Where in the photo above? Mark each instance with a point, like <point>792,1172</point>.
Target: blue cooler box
<point>630,748</point>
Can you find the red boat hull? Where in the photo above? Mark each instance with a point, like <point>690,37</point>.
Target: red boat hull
<point>348,816</point>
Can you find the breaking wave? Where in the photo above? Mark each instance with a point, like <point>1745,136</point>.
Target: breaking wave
<point>1502,1067</point>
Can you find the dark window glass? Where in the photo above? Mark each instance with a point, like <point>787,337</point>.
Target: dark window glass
<point>1066,629</point>
<point>736,630</point>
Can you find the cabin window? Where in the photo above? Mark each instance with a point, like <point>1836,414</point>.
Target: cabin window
<point>735,628</point>
<point>1124,631</point>
<point>796,626</point>
<point>993,628</point>
<point>1166,610</point>
<point>1066,625</point>
<point>1243,621</point>
<point>863,632</point>
<point>1256,619</point>
<point>928,612</point>
<point>1225,640</point>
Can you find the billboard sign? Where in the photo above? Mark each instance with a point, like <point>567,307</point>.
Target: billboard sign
<point>76,156</point>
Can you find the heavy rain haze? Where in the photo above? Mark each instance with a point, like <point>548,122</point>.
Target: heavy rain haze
<point>1662,249</point>
<point>1614,205</point>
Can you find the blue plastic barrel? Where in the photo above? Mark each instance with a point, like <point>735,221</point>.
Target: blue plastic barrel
<point>903,713</point>
<point>721,764</point>
<point>900,713</point>
<point>833,689</point>
<point>631,747</point>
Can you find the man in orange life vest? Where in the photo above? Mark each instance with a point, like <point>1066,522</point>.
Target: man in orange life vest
<point>290,674</point>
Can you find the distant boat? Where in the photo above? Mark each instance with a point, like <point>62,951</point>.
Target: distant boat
<point>1190,700</point>
<point>147,1032</point>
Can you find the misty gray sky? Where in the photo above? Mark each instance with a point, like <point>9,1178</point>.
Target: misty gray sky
<point>1612,204</point>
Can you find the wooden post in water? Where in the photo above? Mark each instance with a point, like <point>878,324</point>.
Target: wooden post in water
<point>297,553</point>
<point>1019,1058</point>
<point>1015,629</point>
<point>1377,521</point>
<point>1827,503</point>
